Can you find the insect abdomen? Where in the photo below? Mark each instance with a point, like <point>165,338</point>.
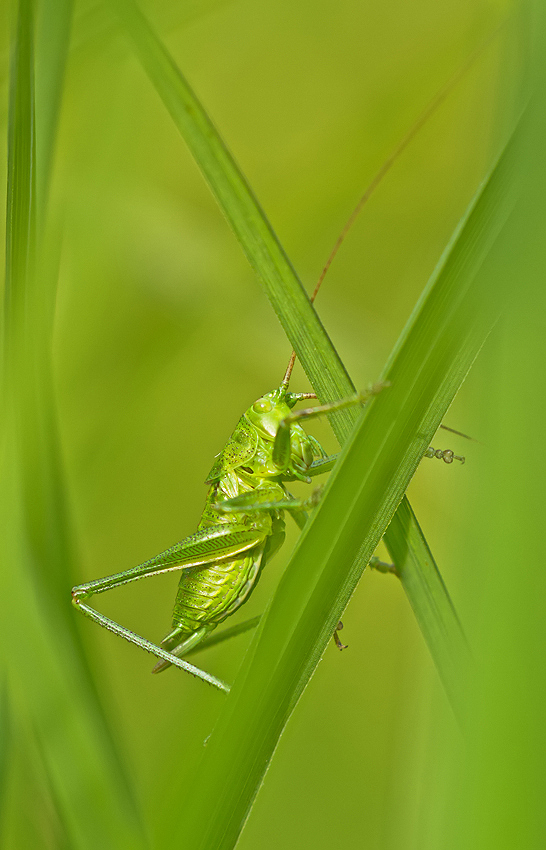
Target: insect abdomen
<point>207,595</point>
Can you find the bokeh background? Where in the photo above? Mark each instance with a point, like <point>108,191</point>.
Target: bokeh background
<point>163,337</point>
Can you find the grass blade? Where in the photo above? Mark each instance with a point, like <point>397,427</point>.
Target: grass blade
<point>53,24</point>
<point>491,798</point>
<point>297,316</point>
<point>360,500</point>
<point>451,325</point>
<point>421,581</point>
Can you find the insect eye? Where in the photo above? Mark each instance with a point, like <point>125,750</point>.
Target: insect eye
<point>262,406</point>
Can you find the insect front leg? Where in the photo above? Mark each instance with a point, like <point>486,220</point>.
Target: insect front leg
<point>341,646</point>
<point>383,567</point>
<point>257,501</point>
<point>443,454</point>
<point>281,447</point>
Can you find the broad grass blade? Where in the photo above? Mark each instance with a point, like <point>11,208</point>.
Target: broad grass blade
<point>360,500</point>
<point>51,690</point>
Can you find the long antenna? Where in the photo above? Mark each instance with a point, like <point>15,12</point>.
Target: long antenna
<point>287,374</point>
<point>429,110</point>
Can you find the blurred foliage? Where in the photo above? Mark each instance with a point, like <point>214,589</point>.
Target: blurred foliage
<point>162,338</point>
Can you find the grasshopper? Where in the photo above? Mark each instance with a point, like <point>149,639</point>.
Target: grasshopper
<point>241,527</point>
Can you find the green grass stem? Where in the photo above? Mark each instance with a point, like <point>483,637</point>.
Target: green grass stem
<point>264,252</point>
<point>360,499</point>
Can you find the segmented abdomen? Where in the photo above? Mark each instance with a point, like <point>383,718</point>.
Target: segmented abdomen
<point>207,595</point>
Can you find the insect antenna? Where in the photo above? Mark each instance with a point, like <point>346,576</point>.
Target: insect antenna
<point>421,120</point>
<point>459,433</point>
<point>288,373</point>
<point>427,112</point>
<point>286,380</point>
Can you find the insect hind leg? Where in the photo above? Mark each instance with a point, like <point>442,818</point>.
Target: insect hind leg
<point>158,651</point>
<point>178,648</point>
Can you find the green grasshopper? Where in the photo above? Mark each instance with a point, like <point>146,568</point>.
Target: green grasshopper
<point>241,527</point>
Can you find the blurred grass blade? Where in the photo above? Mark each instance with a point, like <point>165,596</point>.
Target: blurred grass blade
<point>318,357</point>
<point>20,213</point>
<point>360,499</point>
<point>48,689</point>
<point>47,672</point>
<point>54,18</point>
<point>492,797</point>
<point>5,746</point>
<point>47,514</point>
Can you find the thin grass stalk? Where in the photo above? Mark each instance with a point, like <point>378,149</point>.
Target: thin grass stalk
<point>319,359</point>
<point>359,501</point>
<point>53,30</point>
<point>440,626</point>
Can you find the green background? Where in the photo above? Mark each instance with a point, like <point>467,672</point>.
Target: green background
<point>163,338</point>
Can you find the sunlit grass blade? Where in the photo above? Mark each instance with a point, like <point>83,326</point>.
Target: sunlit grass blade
<point>438,326</point>
<point>427,327</point>
<point>360,499</point>
<point>49,680</point>
<point>318,357</point>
